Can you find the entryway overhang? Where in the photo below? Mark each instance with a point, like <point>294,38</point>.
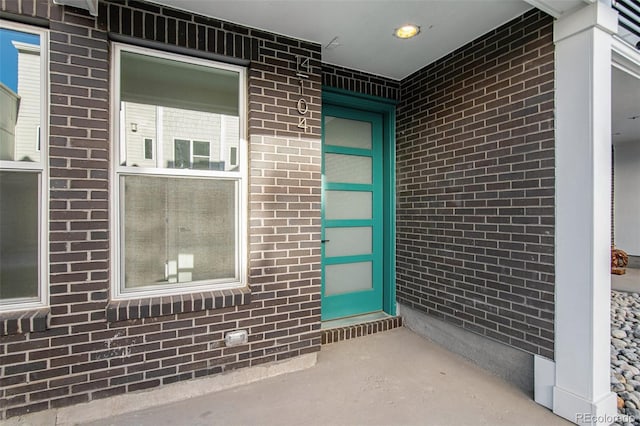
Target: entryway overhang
<point>354,34</point>
<point>359,34</point>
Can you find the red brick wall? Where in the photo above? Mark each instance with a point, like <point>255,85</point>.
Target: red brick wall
<point>89,347</point>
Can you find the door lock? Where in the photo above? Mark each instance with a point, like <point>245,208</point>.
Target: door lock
<point>324,241</point>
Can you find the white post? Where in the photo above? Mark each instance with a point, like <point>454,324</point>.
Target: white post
<point>582,391</point>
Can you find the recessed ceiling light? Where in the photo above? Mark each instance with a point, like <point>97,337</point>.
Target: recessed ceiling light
<point>407,31</point>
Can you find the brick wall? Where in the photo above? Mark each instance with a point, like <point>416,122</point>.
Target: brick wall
<point>475,186</point>
<point>360,82</point>
<point>89,347</point>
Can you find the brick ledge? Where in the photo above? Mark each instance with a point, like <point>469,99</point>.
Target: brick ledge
<point>123,310</point>
<point>20,322</point>
<point>333,335</point>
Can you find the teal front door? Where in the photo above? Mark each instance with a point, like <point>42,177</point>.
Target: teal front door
<point>352,212</point>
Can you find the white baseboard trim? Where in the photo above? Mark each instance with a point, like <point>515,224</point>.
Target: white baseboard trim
<point>583,412</point>
<point>544,371</point>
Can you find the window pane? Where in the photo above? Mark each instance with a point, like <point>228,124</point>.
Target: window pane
<point>347,278</point>
<point>347,205</point>
<point>201,148</point>
<point>20,103</point>
<point>18,235</point>
<point>233,156</point>
<point>178,230</point>
<point>165,100</point>
<point>202,163</point>
<point>348,241</point>
<point>181,85</point>
<point>347,133</point>
<point>348,168</point>
<point>182,155</point>
<point>148,149</point>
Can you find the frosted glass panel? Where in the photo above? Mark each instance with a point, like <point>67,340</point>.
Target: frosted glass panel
<point>347,241</point>
<point>347,168</point>
<point>349,133</point>
<point>347,278</point>
<point>347,205</point>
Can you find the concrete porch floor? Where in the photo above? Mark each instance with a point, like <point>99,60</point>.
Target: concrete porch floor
<point>395,377</point>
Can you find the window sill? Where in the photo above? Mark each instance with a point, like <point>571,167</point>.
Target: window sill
<point>22,322</point>
<point>123,310</point>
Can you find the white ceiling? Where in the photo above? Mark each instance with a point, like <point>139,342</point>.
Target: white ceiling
<point>364,28</point>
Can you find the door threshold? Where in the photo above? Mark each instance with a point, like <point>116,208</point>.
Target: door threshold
<point>358,326</point>
<point>356,319</point>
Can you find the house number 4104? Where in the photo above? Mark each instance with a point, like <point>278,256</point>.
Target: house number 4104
<point>302,106</point>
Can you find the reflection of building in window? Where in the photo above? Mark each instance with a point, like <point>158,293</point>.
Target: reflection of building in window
<point>29,91</point>
<point>19,125</point>
<point>148,149</point>
<point>9,104</point>
<point>21,170</point>
<point>187,139</point>
<point>233,156</point>
<point>180,184</point>
<point>192,154</point>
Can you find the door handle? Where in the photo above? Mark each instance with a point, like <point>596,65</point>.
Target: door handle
<point>324,241</point>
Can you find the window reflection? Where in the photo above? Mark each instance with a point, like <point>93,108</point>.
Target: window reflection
<point>21,169</point>
<point>20,88</point>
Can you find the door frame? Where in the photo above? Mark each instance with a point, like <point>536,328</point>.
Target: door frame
<point>387,108</point>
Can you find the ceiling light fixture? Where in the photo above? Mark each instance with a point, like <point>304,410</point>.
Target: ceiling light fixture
<point>407,31</point>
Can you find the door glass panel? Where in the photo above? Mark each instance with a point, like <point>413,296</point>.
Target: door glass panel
<point>348,133</point>
<point>347,278</point>
<point>347,168</point>
<point>347,241</point>
<point>347,205</point>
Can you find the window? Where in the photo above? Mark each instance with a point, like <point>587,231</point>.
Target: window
<point>23,118</point>
<point>148,149</point>
<point>179,206</point>
<point>194,155</point>
<point>233,156</point>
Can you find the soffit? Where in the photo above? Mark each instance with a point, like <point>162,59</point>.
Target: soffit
<point>358,34</point>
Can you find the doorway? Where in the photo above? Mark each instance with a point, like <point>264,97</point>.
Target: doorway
<point>358,217</point>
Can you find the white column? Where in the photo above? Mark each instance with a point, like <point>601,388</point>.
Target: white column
<point>583,218</point>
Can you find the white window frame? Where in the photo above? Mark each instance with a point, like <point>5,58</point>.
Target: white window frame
<point>41,168</point>
<point>118,291</point>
